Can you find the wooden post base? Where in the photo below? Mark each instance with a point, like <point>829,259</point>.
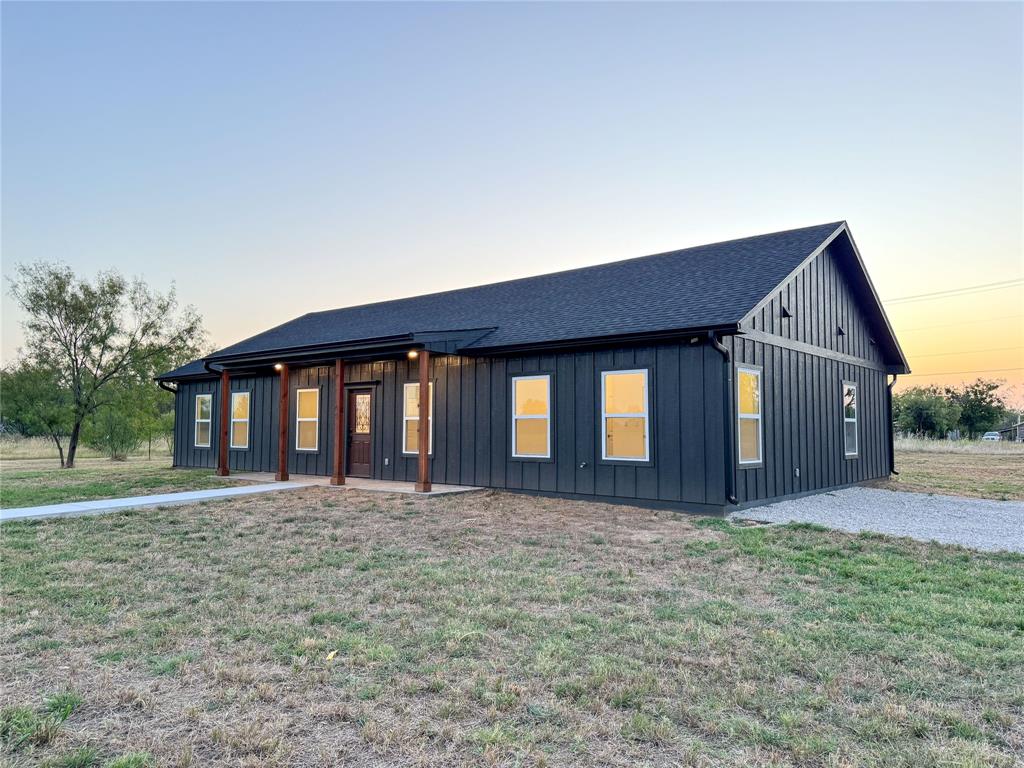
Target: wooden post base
<point>335,480</point>
<point>281,476</point>
<point>423,487</point>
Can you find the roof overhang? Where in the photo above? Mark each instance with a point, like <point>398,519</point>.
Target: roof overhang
<point>603,341</point>
<point>382,347</point>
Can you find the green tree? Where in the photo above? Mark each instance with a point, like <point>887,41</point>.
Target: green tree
<point>94,334</point>
<point>135,410</point>
<point>925,411</point>
<point>981,407</point>
<point>119,425</point>
<point>35,403</point>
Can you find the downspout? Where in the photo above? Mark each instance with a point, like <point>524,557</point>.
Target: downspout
<point>166,388</point>
<point>730,466</point>
<point>892,442</point>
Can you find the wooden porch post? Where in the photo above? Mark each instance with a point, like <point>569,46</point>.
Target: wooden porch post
<point>282,431</point>
<point>338,478</point>
<point>225,415</point>
<point>423,467</point>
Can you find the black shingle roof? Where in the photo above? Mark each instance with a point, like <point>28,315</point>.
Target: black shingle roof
<point>705,286</point>
<point>195,368</point>
<point>708,286</point>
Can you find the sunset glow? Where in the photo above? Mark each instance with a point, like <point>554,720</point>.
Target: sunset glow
<point>300,157</point>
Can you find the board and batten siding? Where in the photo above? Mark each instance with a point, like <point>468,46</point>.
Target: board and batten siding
<point>801,395</point>
<point>473,417</point>
<point>473,421</point>
<point>820,300</point>
<point>260,456</point>
<point>802,375</point>
<point>805,361</point>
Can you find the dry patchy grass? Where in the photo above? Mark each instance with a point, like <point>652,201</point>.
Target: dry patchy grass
<point>996,474</point>
<point>997,447</point>
<point>328,627</point>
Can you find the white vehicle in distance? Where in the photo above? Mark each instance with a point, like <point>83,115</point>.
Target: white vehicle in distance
<point>991,436</point>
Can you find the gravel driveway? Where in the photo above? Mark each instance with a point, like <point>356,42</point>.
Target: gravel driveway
<point>975,523</point>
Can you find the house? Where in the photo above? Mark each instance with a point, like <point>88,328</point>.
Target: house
<point>700,379</point>
<point>1013,433</point>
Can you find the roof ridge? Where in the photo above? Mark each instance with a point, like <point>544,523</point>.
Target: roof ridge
<point>578,269</point>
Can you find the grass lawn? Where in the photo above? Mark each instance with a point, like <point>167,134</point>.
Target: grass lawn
<point>29,483</point>
<point>998,474</point>
<point>328,627</point>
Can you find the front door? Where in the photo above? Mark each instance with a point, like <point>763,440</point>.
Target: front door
<point>360,414</point>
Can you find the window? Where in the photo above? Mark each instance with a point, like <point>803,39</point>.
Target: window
<point>531,417</point>
<point>204,413</point>
<point>850,419</point>
<point>411,419</point>
<point>307,419</point>
<point>748,414</point>
<point>239,419</point>
<point>624,415</point>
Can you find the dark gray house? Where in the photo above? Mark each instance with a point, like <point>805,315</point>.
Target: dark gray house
<point>699,379</point>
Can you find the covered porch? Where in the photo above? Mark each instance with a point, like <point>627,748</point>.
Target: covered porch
<point>329,415</point>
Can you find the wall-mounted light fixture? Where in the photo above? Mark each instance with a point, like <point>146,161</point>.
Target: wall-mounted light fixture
<point>278,366</point>
<point>413,354</point>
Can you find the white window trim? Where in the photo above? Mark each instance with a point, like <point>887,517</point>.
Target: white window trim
<point>645,415</point>
<point>248,411</point>
<point>749,416</point>
<point>407,418</point>
<point>546,415</point>
<point>847,420</point>
<point>314,419</point>
<point>197,421</point>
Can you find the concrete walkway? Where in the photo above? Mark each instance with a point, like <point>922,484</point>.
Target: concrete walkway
<point>100,506</point>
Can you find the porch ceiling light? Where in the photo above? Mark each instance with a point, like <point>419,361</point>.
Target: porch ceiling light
<point>413,354</point>
<point>277,366</point>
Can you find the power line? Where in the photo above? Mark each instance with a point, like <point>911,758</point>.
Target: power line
<point>953,292</point>
<point>966,322</point>
<point>970,352</point>
<point>951,373</point>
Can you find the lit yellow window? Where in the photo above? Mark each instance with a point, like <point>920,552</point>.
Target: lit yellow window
<point>239,419</point>
<point>748,414</point>
<point>411,418</point>
<point>624,415</point>
<point>307,419</point>
<point>531,416</point>
<point>204,413</point>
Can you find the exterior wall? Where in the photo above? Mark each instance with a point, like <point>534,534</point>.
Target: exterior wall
<point>805,362</point>
<point>820,299</point>
<point>803,358</point>
<point>261,456</point>
<point>185,452</point>
<point>803,422</point>
<point>472,422</point>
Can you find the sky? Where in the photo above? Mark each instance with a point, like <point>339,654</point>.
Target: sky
<point>273,159</point>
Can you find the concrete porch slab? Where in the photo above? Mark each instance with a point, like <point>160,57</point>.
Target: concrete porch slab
<point>358,484</point>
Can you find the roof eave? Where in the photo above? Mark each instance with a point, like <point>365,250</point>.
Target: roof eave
<point>595,341</point>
